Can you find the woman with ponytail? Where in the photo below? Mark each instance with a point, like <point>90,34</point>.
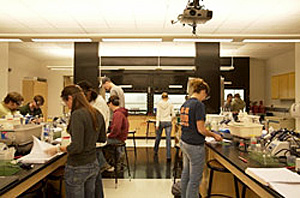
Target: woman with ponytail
<point>86,127</point>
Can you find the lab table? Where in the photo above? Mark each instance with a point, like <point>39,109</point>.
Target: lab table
<point>228,156</point>
<point>13,186</point>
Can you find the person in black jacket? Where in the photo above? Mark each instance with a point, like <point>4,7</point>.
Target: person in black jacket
<point>86,127</point>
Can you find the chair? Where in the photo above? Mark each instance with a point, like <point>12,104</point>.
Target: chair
<point>134,142</point>
<point>115,148</point>
<point>214,165</point>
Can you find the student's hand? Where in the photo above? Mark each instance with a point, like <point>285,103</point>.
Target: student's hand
<point>218,137</point>
<point>51,151</point>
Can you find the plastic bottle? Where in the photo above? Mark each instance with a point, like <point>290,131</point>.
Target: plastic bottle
<point>253,142</point>
<point>45,133</point>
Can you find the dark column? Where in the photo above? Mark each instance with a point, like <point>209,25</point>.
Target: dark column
<point>86,62</point>
<point>207,64</point>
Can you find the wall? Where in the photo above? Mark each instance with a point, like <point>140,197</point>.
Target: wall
<point>257,79</point>
<point>55,86</point>
<point>3,70</point>
<point>280,64</point>
<point>23,66</point>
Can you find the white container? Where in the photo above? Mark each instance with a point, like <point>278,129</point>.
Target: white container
<point>245,130</point>
<point>7,153</point>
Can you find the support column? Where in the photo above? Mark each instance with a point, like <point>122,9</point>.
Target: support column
<point>3,69</point>
<point>297,80</point>
<point>86,63</point>
<point>207,64</point>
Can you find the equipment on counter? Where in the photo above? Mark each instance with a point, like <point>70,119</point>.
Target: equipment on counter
<point>21,136</point>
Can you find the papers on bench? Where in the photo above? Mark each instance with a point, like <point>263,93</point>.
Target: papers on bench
<point>37,154</point>
<point>282,180</point>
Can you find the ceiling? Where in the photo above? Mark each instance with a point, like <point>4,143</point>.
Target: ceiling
<point>98,19</point>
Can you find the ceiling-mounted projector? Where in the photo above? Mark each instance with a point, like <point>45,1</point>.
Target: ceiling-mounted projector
<point>194,14</point>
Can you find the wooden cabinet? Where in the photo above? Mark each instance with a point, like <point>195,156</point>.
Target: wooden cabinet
<point>283,86</point>
<point>275,87</point>
<point>31,88</point>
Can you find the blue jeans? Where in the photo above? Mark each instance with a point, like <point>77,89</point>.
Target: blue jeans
<point>193,164</point>
<point>168,128</point>
<point>80,180</point>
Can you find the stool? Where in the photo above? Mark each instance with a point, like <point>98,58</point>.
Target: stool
<point>133,139</point>
<point>214,165</point>
<point>115,147</point>
<point>148,127</point>
<point>58,174</point>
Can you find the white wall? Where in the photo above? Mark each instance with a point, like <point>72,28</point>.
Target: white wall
<point>3,70</point>
<point>55,86</point>
<point>257,80</point>
<point>23,66</point>
<point>280,64</point>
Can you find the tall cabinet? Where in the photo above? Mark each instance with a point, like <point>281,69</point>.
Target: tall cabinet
<point>32,87</point>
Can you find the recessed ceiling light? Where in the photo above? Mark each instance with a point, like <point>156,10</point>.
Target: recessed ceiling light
<point>62,40</point>
<point>10,40</point>
<point>271,40</point>
<point>201,40</point>
<point>132,39</point>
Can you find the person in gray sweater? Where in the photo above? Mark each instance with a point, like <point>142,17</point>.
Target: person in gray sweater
<point>86,127</point>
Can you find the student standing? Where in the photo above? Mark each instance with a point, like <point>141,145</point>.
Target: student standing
<point>192,117</point>
<point>164,115</point>
<point>86,127</point>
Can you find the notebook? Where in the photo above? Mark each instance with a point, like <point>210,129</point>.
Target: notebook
<point>274,175</point>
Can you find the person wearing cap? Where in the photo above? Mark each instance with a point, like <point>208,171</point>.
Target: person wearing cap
<point>114,90</point>
<point>96,100</point>
<point>33,108</point>
<point>11,103</point>
<point>164,115</point>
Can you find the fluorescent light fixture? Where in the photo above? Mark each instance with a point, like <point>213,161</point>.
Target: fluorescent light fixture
<point>175,86</point>
<point>271,40</point>
<point>201,40</point>
<point>10,40</point>
<point>132,39</point>
<point>227,83</point>
<point>226,68</point>
<point>154,67</point>
<point>62,40</point>
<point>125,86</point>
<point>60,68</point>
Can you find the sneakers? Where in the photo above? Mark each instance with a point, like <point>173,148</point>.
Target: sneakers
<point>107,167</point>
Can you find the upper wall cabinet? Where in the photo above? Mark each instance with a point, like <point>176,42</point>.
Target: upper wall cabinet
<point>283,86</point>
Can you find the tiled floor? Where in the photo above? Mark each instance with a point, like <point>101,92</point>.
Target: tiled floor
<point>138,188</point>
<point>151,175</point>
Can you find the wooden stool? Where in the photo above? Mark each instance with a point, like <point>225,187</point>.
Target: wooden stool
<point>214,165</point>
<point>116,146</point>
<point>148,128</point>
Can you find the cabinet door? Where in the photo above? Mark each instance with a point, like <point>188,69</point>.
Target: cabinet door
<point>291,85</point>
<point>283,86</point>
<point>275,87</point>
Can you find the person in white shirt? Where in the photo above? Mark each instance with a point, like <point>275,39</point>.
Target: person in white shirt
<point>96,100</point>
<point>164,115</point>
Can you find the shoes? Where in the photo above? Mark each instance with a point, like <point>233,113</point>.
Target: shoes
<point>107,167</point>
